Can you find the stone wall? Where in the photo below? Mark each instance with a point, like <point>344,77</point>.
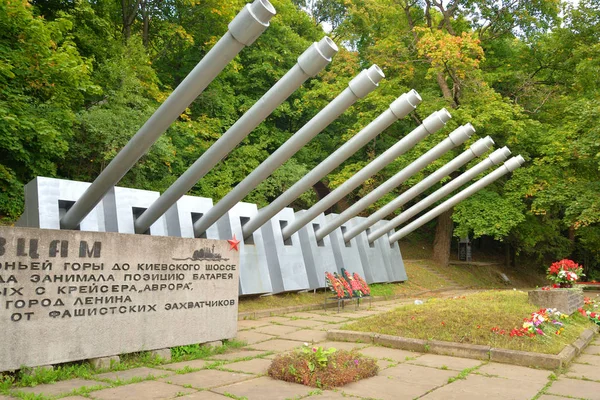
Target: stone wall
<point>71,295</point>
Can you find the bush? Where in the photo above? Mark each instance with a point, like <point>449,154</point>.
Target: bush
<point>322,368</point>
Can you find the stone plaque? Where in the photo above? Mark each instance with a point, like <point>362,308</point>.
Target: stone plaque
<point>71,295</point>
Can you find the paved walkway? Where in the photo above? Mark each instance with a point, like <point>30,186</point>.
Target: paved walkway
<point>403,374</point>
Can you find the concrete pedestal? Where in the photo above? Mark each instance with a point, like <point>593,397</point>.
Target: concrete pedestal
<point>318,255</point>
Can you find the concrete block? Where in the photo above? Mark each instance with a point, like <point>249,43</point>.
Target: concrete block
<point>567,301</point>
<point>47,200</point>
<point>350,336</point>
<point>526,359</point>
<point>373,256</point>
<point>284,258</point>
<point>104,362</point>
<point>254,270</point>
<point>124,205</point>
<point>318,256</point>
<point>477,352</point>
<point>346,253</point>
<point>397,342</point>
<point>181,216</point>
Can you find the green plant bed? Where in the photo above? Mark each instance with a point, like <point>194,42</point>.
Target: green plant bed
<point>322,368</point>
<point>492,318</point>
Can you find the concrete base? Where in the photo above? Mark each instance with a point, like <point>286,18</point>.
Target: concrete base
<point>254,271</point>
<point>104,362</point>
<point>318,256</point>
<point>346,253</point>
<point>374,256</point>
<point>284,258</point>
<point>163,354</point>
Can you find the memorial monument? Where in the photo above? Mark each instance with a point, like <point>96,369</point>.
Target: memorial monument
<point>162,270</point>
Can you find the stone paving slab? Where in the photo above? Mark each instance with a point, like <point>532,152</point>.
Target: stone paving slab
<point>206,379</point>
<point>149,390</point>
<point>252,337</point>
<point>195,364</point>
<point>256,366</point>
<point>588,359</point>
<point>7,398</point>
<point>303,323</point>
<point>486,387</point>
<point>514,372</point>
<point>384,364</point>
<point>329,318</point>
<point>276,345</point>
<point>392,354</point>
<point>330,395</point>
<point>419,375</point>
<point>386,388</point>
<point>276,330</point>
<point>237,355</point>
<point>62,387</point>
<point>133,373</point>
<point>584,371</point>
<point>265,388</point>
<point>575,387</point>
<point>551,397</point>
<point>307,335</point>
<point>438,361</point>
<point>303,314</point>
<point>278,320</point>
<point>63,398</point>
<point>328,327</point>
<point>251,323</point>
<point>343,345</point>
<point>203,395</point>
<point>593,349</point>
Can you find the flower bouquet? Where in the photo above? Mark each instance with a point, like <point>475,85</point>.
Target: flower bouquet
<point>564,272</point>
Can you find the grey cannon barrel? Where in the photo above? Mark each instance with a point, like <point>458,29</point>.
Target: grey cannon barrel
<point>430,125</point>
<point>508,166</point>
<point>363,84</point>
<point>399,108</point>
<point>475,150</point>
<point>456,138</point>
<point>310,63</point>
<point>495,158</point>
<point>244,29</point>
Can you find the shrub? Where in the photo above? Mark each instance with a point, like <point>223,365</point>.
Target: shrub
<point>322,368</point>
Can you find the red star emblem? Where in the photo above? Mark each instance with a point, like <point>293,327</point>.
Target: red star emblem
<point>233,244</point>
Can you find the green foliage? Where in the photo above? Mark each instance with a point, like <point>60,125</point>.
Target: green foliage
<point>76,84</point>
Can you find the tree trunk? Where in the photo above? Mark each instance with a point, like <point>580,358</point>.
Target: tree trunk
<point>443,236</point>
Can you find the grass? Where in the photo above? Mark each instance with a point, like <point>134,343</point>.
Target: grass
<point>82,369</point>
<point>470,319</point>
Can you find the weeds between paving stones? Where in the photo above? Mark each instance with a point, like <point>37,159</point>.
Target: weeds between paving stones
<point>322,368</point>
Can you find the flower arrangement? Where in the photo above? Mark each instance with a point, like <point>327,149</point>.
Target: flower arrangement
<point>564,272</point>
<point>321,367</point>
<point>345,284</point>
<point>364,288</point>
<point>335,285</point>
<point>590,310</point>
<point>354,285</point>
